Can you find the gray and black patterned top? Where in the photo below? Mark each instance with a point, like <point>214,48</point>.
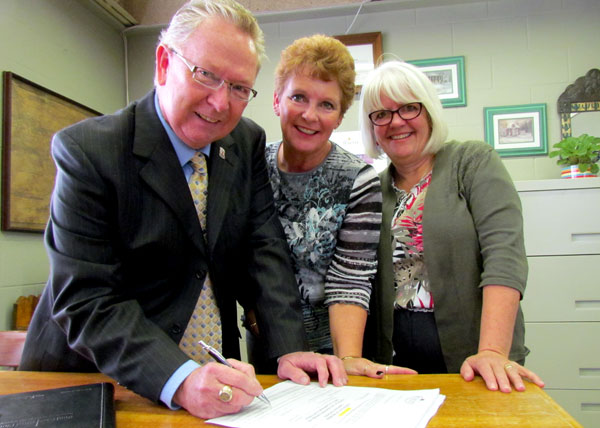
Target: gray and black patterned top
<point>331,216</point>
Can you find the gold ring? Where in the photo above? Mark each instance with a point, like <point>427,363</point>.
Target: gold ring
<point>226,394</point>
<point>386,369</point>
<point>508,366</point>
<point>365,369</point>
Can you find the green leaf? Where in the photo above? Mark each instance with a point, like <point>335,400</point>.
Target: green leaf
<point>581,150</point>
<point>583,167</point>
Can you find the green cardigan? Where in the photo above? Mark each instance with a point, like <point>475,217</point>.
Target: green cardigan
<point>472,236</point>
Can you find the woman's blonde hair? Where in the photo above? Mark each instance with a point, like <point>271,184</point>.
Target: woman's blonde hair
<point>322,57</point>
<point>403,83</point>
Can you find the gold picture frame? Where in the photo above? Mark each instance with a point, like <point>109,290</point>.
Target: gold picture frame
<point>31,116</point>
<point>366,49</point>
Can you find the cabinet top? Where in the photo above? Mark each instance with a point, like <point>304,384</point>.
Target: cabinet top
<point>557,184</point>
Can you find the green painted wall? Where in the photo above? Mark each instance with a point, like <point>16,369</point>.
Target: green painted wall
<point>64,46</point>
<point>516,52</point>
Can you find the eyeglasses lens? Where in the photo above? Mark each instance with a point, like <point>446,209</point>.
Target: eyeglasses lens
<point>406,112</point>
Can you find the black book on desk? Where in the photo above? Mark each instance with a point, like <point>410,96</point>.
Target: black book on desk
<point>83,406</point>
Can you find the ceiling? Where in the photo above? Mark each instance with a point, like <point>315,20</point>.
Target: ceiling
<point>159,12</point>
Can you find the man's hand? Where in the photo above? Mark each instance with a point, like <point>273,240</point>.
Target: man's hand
<point>199,392</point>
<point>296,365</point>
<point>498,372</point>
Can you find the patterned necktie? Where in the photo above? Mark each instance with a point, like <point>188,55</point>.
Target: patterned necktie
<point>205,323</point>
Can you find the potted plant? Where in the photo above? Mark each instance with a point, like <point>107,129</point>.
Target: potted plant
<point>578,156</point>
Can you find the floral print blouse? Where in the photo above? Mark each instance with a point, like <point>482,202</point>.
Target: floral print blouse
<point>410,273</point>
<point>331,216</point>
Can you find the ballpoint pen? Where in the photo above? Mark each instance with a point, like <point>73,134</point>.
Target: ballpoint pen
<point>221,359</point>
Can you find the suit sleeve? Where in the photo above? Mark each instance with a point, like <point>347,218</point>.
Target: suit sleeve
<point>93,303</point>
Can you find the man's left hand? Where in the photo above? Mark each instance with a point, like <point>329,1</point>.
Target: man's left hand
<point>297,365</point>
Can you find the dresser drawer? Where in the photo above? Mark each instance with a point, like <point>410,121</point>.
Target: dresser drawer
<point>583,405</point>
<point>561,221</point>
<point>563,288</point>
<point>565,355</point>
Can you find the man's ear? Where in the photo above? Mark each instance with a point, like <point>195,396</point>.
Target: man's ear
<point>162,64</point>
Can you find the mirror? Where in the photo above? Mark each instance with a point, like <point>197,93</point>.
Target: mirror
<point>582,96</point>
<point>366,49</point>
<point>586,123</point>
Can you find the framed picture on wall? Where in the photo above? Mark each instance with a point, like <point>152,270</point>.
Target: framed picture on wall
<point>448,76</point>
<point>366,49</point>
<point>518,130</point>
<point>31,116</point>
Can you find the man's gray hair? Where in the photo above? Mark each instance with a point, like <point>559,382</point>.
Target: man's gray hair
<point>193,13</point>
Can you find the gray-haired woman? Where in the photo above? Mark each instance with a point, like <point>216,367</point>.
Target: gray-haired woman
<point>452,266</point>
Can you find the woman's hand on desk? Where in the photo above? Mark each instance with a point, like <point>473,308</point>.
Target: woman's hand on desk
<point>358,366</point>
<point>296,365</point>
<point>498,372</point>
<point>200,391</point>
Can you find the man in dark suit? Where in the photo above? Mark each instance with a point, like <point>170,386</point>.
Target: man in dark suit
<point>127,252</point>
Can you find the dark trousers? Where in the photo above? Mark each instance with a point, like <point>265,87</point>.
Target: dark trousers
<point>256,355</point>
<point>416,342</point>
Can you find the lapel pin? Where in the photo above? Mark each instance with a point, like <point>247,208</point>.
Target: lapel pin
<point>221,152</point>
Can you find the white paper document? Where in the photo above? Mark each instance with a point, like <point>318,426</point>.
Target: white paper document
<point>310,406</point>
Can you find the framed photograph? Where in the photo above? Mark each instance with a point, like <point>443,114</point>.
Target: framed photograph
<point>448,76</point>
<point>366,49</point>
<point>31,116</point>
<point>517,130</point>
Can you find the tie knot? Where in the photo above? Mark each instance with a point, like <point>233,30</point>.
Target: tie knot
<point>199,163</point>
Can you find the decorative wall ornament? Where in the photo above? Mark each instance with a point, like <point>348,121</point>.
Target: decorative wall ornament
<point>583,95</point>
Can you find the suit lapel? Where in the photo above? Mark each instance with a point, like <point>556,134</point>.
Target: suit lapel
<point>223,159</point>
<point>162,171</point>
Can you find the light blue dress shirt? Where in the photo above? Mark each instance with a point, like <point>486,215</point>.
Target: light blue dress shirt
<point>184,154</point>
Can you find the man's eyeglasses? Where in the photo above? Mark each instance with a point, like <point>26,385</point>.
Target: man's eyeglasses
<point>212,81</point>
<point>406,112</point>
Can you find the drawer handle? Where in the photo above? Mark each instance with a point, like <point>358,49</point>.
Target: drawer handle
<point>585,237</point>
<point>589,372</point>
<point>590,407</point>
<point>587,304</point>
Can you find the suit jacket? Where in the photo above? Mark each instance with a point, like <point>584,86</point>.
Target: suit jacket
<point>128,258</point>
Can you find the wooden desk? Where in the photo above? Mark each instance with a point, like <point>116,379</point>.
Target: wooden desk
<point>467,404</point>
